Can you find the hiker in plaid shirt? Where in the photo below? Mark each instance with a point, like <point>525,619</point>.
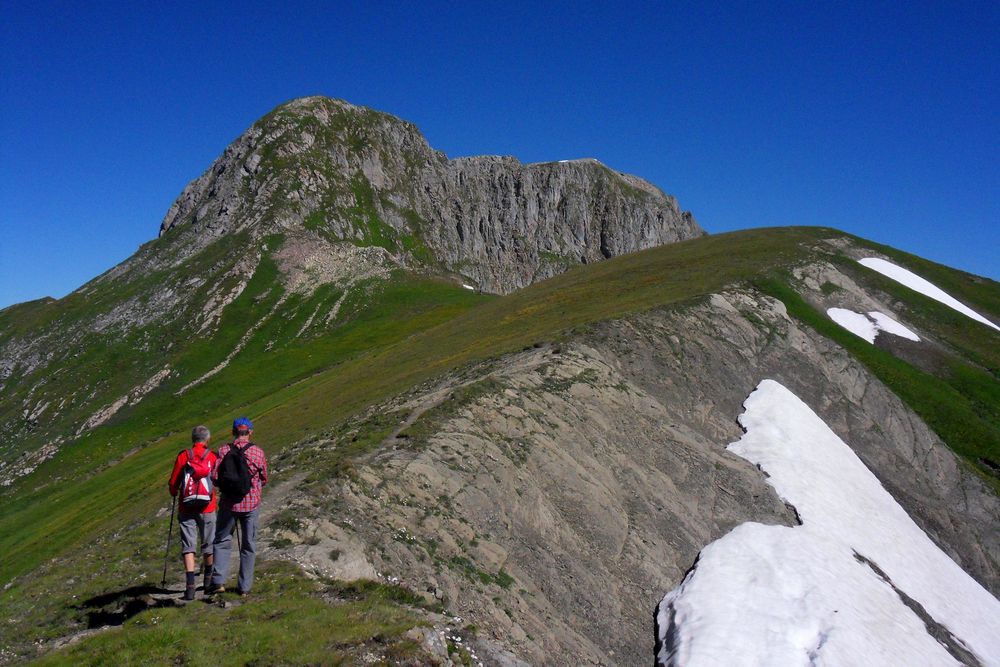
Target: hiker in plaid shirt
<point>245,510</point>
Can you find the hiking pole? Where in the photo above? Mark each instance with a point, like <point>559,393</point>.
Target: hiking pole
<point>170,532</point>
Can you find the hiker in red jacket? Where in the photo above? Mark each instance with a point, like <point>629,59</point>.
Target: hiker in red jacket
<point>191,479</point>
<point>241,474</point>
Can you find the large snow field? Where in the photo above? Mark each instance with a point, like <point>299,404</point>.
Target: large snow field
<point>868,326</point>
<point>778,595</point>
<point>925,287</point>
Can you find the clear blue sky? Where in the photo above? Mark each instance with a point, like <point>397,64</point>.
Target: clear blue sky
<point>877,118</point>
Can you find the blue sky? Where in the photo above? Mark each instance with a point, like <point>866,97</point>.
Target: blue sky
<point>877,118</point>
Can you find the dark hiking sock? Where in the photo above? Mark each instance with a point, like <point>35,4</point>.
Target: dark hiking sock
<point>190,579</point>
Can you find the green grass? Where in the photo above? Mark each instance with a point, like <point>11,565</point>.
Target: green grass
<point>962,407</point>
<point>971,340</point>
<point>407,332</point>
<point>543,311</point>
<point>289,620</point>
<point>60,511</point>
<point>374,231</point>
<point>104,365</point>
<point>62,508</point>
<point>559,260</point>
<point>414,241</point>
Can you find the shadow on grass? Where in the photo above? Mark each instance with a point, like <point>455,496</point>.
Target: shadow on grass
<point>116,607</point>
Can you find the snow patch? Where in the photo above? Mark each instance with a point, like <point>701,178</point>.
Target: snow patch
<point>928,289</point>
<point>856,323</point>
<point>467,286</point>
<point>889,325</point>
<point>810,594</point>
<point>868,326</point>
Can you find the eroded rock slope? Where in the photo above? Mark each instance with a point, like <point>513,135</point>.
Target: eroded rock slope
<point>553,497</point>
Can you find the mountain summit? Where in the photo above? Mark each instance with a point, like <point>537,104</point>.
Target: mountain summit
<point>350,173</point>
<point>321,201</point>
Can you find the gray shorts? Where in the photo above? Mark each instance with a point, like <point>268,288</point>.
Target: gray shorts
<point>191,525</point>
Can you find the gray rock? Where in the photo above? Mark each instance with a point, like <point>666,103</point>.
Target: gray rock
<point>366,176</point>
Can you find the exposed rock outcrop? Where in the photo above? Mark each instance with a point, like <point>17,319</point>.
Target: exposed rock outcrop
<point>368,177</point>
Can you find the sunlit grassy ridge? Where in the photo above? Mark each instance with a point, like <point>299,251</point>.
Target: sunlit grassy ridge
<point>413,330</point>
<point>70,504</point>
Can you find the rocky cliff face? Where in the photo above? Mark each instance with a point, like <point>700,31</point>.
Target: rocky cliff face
<point>362,176</point>
<point>335,196</point>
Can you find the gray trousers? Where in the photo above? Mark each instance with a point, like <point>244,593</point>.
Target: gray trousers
<point>191,526</point>
<point>224,545</point>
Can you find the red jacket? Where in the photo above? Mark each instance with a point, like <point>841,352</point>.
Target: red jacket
<point>175,477</point>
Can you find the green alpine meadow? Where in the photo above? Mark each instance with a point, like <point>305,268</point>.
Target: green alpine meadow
<point>495,400</point>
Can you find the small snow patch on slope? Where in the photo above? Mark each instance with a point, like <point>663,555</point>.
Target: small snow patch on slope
<point>885,323</point>
<point>928,289</point>
<point>811,594</point>
<point>856,323</point>
<point>868,326</point>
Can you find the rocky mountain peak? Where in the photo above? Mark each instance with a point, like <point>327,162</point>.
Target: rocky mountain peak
<point>318,200</point>
<point>348,173</point>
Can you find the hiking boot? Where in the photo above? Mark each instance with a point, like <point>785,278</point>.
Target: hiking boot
<point>214,589</point>
<point>243,594</point>
<point>188,593</point>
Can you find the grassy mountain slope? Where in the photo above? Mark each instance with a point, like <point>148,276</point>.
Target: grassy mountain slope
<point>296,220</point>
<point>61,543</point>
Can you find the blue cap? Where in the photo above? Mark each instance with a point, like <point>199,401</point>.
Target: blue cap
<point>242,423</point>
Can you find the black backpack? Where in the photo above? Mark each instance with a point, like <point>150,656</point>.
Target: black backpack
<point>234,473</point>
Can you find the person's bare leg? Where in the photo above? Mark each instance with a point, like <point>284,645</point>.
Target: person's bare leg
<point>189,562</point>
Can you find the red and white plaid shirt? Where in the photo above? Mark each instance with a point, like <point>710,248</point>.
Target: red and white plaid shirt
<point>257,463</point>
